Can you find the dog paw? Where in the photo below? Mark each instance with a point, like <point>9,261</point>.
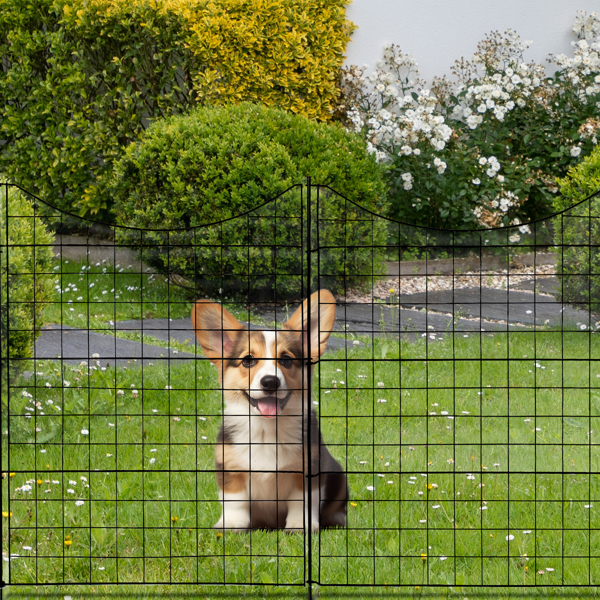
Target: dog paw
<point>292,530</point>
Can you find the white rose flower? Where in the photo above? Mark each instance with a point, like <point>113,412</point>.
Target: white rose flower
<point>500,178</point>
<point>406,177</point>
<point>575,151</point>
<point>416,152</point>
<point>407,185</point>
<point>514,238</point>
<point>482,160</point>
<point>481,108</point>
<point>473,121</point>
<point>490,172</point>
<point>477,181</point>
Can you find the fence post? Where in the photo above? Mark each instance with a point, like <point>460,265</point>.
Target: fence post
<point>309,362</point>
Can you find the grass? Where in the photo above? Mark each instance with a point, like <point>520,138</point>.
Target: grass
<point>450,447</point>
<point>96,295</point>
<point>440,473</point>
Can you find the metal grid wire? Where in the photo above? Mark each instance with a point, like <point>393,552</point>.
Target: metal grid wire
<point>459,393</point>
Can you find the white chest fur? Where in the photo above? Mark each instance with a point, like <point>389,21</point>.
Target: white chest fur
<point>266,444</point>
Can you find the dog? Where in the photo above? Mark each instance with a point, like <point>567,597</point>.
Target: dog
<point>262,453</point>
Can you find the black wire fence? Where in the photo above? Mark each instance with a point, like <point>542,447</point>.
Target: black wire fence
<point>456,399</point>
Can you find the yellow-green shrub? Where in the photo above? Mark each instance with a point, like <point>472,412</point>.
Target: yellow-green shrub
<point>284,53</point>
<point>82,79</point>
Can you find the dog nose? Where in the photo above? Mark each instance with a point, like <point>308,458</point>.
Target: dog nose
<point>269,383</point>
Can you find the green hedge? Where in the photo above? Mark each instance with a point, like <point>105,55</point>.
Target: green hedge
<point>81,79</point>
<point>73,94</point>
<point>214,164</point>
<point>26,278</point>
<point>577,234</point>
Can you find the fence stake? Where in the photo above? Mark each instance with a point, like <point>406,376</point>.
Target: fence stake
<point>309,410</point>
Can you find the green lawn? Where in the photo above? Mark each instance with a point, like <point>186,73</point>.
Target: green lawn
<point>451,447</point>
<point>434,496</point>
<point>94,295</point>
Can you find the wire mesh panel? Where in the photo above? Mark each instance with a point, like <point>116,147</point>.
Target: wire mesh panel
<point>287,397</point>
<point>464,404</point>
<point>111,417</point>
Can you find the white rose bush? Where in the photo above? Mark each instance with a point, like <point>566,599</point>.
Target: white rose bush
<point>484,148</point>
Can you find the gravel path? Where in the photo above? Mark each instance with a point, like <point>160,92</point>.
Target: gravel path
<point>513,278</point>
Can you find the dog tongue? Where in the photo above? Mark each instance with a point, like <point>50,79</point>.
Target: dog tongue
<point>269,407</point>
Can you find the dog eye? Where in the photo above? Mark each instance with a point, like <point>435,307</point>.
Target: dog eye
<point>286,361</point>
<point>248,361</point>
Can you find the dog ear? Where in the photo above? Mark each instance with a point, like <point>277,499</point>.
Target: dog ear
<point>215,329</point>
<point>322,320</point>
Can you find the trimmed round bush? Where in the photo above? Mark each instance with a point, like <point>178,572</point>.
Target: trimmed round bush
<point>214,164</point>
<point>577,233</point>
<point>25,279</point>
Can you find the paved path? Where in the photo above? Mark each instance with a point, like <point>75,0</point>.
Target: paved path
<point>440,312</point>
<point>74,345</point>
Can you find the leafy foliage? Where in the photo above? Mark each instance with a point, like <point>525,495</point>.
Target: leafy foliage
<point>80,80</point>
<point>214,164</point>
<point>577,232</point>
<point>25,277</point>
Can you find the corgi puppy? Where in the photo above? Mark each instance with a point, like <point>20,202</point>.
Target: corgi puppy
<point>262,448</point>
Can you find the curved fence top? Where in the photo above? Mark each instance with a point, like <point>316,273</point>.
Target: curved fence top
<point>275,198</point>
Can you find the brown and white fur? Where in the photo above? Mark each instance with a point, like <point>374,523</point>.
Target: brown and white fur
<point>262,449</point>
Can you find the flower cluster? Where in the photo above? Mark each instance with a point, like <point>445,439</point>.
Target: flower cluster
<point>487,146</point>
<point>498,94</point>
<point>583,68</point>
<point>589,129</point>
<point>397,118</point>
<point>586,26</point>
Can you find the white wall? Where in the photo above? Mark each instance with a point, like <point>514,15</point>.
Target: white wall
<point>437,32</point>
